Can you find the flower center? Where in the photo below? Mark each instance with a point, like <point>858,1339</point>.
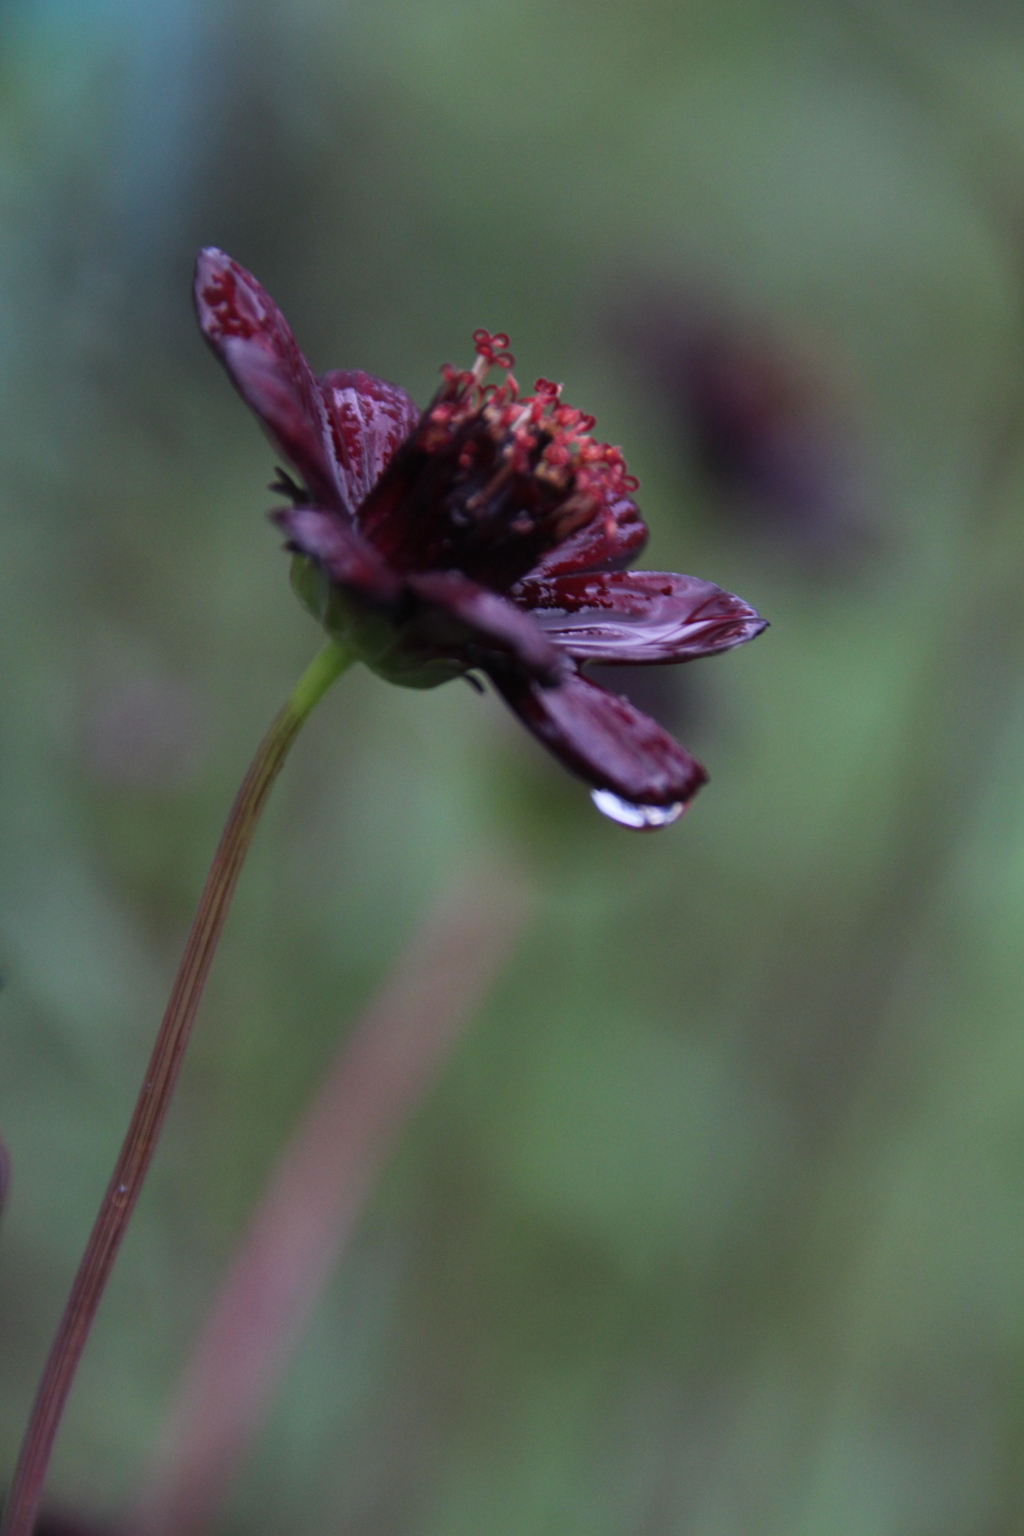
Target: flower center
<point>490,480</point>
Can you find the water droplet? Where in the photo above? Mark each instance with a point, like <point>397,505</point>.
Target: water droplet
<point>642,818</point>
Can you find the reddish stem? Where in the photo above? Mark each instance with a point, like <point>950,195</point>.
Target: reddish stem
<point>155,1095</point>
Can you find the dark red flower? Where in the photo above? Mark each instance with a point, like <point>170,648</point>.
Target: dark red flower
<point>486,534</point>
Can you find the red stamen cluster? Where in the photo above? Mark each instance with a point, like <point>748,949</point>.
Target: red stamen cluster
<point>538,434</point>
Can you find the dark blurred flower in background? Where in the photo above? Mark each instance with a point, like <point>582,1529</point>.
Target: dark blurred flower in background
<point>488,534</point>
<point>761,419</point>
<point>62,1523</point>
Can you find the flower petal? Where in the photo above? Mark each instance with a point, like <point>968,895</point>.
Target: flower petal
<point>430,625</point>
<point>368,420</point>
<point>638,616</point>
<point>327,539</point>
<point>614,538</point>
<point>252,339</point>
<point>467,621</point>
<point>604,739</point>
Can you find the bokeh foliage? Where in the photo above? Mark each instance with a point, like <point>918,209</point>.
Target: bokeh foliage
<point>715,1224</point>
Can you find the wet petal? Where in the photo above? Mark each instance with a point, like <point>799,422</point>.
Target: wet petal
<point>604,739</point>
<point>423,619</point>
<point>463,619</point>
<point>368,420</point>
<point>638,616</point>
<point>614,538</point>
<point>252,339</point>
<point>326,538</point>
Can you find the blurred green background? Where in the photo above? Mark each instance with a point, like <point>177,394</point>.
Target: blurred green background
<point>714,1224</point>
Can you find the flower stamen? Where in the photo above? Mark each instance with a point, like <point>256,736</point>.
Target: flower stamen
<point>491,352</point>
<point>525,474</point>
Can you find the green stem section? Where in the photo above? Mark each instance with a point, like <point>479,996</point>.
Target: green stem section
<point>155,1095</point>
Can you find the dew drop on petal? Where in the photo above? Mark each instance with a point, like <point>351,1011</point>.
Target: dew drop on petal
<point>642,818</point>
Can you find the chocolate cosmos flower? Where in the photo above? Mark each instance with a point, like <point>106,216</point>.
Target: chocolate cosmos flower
<point>486,534</point>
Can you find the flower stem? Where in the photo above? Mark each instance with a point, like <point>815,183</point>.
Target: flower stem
<point>155,1095</point>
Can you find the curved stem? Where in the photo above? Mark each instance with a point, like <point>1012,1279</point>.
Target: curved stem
<point>155,1095</point>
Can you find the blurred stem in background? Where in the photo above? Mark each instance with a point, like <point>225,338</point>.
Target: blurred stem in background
<point>956,705</point>
<point>821,1026</point>
<point>315,1194</point>
<point>827,1020</point>
<point>158,1085</point>
<point>5,1175</point>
